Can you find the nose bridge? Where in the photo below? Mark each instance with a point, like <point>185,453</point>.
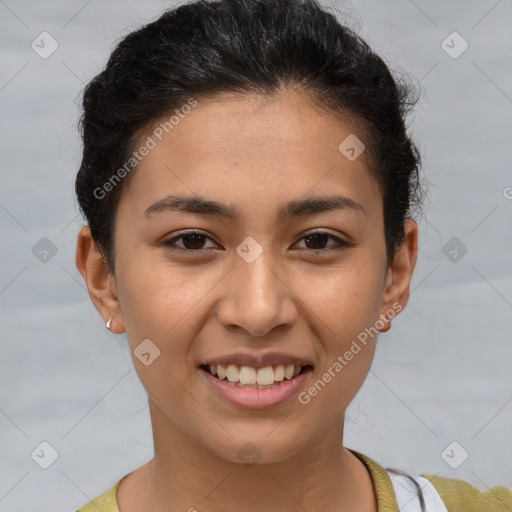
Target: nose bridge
<point>256,300</point>
<point>257,271</point>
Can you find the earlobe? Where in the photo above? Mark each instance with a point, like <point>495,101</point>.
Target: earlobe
<point>399,275</point>
<point>99,281</point>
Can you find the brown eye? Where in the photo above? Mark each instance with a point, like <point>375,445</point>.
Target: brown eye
<point>193,242</point>
<point>316,242</point>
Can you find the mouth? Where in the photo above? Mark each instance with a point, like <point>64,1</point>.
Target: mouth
<point>248,377</point>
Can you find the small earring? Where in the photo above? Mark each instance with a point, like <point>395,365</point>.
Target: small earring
<point>388,327</point>
<point>107,325</point>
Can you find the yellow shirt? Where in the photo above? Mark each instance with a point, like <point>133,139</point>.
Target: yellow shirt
<point>457,495</point>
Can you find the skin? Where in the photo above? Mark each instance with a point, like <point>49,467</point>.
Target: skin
<point>255,153</point>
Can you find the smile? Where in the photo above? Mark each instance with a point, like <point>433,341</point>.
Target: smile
<point>247,387</point>
<point>255,378</point>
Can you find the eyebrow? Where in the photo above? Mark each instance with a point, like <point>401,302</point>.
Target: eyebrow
<point>302,207</point>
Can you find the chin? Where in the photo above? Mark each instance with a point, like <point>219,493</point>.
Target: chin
<point>259,448</point>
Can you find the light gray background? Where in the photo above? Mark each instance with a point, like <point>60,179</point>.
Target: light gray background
<point>443,372</point>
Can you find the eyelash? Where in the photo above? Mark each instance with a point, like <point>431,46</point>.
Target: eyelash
<point>341,244</point>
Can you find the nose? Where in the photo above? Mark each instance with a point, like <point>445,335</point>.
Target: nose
<point>257,297</point>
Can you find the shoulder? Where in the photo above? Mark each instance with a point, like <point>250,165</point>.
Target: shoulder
<point>461,496</point>
<point>106,502</point>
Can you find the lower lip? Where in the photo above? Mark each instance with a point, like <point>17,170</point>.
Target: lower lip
<point>256,398</point>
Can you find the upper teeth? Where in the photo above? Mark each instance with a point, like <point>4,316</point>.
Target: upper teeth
<point>259,376</point>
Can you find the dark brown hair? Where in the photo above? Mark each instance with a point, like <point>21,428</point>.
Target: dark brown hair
<point>243,46</point>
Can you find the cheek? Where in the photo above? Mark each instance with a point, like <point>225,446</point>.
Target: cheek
<point>343,308</point>
<point>342,301</point>
<point>343,316</point>
<point>160,304</point>
<point>159,298</point>
<point>336,384</point>
<point>167,305</point>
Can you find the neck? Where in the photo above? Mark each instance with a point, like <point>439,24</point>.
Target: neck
<point>325,476</point>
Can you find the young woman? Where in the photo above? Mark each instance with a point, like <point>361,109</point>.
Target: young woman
<point>248,185</point>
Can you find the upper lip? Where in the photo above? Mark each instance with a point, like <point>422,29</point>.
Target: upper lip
<point>257,361</point>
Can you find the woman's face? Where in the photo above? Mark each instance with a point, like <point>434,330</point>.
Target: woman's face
<point>253,285</point>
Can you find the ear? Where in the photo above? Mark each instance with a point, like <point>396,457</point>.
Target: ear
<point>100,282</point>
<point>399,275</point>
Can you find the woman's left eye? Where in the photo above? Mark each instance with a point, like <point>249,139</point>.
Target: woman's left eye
<point>194,241</point>
<point>319,238</point>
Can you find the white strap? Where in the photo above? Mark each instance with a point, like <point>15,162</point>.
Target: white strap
<point>407,497</point>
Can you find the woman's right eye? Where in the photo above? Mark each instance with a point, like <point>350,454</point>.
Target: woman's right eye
<point>193,241</point>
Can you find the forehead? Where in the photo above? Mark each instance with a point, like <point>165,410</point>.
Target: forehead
<point>251,151</point>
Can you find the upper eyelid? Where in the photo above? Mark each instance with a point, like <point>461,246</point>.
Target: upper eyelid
<point>186,233</point>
